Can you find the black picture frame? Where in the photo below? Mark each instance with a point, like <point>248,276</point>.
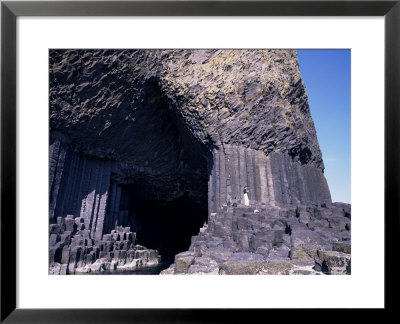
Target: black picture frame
<point>10,10</point>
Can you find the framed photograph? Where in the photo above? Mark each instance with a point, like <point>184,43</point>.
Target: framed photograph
<point>181,160</point>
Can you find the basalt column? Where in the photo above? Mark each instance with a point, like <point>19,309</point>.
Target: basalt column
<point>273,179</point>
<point>153,139</point>
<point>78,186</point>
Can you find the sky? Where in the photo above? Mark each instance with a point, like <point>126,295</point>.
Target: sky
<point>327,76</point>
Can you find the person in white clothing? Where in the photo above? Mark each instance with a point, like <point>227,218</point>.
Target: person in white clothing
<point>245,196</point>
<point>202,229</point>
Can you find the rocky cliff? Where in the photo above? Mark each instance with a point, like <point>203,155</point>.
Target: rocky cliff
<point>173,128</point>
<point>250,98</point>
<point>262,239</point>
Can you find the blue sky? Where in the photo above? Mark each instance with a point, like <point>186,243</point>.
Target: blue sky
<point>327,76</point>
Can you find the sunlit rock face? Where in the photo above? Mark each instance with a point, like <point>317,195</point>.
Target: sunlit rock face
<point>252,98</point>
<point>141,131</point>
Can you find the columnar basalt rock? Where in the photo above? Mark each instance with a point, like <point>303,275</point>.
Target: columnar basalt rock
<point>108,101</point>
<point>78,186</point>
<point>193,125</point>
<point>274,179</point>
<point>263,239</point>
<point>72,250</point>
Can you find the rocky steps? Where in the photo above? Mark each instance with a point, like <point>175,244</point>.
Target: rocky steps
<point>262,240</point>
<point>200,124</point>
<point>72,250</point>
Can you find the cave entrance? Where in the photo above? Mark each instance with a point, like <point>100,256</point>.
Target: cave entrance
<point>161,189</point>
<point>164,226</point>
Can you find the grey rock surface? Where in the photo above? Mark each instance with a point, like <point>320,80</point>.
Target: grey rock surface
<point>200,125</point>
<point>166,117</point>
<point>297,249</point>
<point>333,262</point>
<point>251,98</point>
<point>81,254</point>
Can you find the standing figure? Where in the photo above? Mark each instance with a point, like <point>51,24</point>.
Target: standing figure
<point>202,229</point>
<point>245,196</point>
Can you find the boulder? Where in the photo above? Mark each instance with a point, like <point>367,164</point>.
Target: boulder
<point>222,229</point>
<point>344,247</point>
<point>170,270</point>
<point>333,262</point>
<point>243,264</point>
<point>304,245</point>
<point>318,223</point>
<point>277,266</point>
<point>219,254</point>
<point>205,262</point>
<point>203,270</point>
<point>183,261</point>
<point>259,242</point>
<point>282,251</point>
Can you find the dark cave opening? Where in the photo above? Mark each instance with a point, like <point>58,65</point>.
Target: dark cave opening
<point>164,226</point>
<point>164,182</point>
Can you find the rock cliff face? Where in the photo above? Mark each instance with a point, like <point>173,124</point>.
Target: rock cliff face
<point>185,130</point>
<point>250,98</point>
<point>262,239</point>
